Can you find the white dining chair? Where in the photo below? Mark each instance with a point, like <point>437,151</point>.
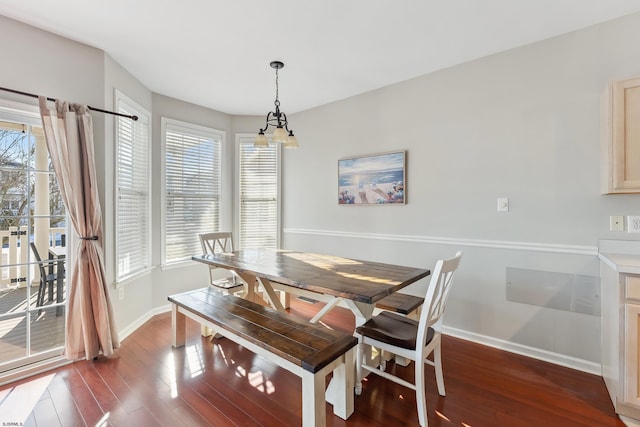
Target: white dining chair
<point>214,243</point>
<point>219,242</point>
<point>414,340</point>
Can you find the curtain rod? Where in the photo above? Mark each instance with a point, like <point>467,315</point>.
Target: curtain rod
<point>134,118</point>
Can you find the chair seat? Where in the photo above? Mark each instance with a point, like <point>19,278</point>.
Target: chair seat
<point>226,283</point>
<point>393,329</point>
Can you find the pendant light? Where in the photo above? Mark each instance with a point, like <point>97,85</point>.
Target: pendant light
<point>278,120</point>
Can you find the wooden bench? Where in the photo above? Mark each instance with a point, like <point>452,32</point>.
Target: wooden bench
<point>401,303</point>
<point>307,350</point>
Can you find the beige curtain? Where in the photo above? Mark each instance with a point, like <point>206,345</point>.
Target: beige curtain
<point>69,133</point>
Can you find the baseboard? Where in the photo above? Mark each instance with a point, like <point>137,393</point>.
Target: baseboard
<point>523,350</point>
<point>629,422</point>
<point>142,320</point>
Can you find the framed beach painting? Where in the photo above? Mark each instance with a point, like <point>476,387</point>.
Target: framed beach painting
<point>376,179</point>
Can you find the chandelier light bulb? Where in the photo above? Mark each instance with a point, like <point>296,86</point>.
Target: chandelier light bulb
<point>279,135</point>
<point>261,141</point>
<point>291,142</point>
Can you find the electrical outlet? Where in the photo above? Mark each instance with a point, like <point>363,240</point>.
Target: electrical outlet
<point>616,223</point>
<point>633,224</point>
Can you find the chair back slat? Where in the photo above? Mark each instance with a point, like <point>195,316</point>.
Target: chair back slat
<point>436,297</point>
<point>215,243</point>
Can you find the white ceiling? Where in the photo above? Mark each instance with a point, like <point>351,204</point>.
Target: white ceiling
<point>216,53</point>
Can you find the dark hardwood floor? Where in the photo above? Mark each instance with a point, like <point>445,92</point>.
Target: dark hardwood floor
<point>221,384</point>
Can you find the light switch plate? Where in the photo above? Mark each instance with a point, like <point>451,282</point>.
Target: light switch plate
<point>503,204</point>
<point>616,223</point>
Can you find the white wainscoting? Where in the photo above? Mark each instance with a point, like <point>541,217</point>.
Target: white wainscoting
<point>484,339</point>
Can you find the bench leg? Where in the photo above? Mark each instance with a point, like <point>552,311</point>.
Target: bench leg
<point>344,382</point>
<point>313,405</point>
<point>178,326</point>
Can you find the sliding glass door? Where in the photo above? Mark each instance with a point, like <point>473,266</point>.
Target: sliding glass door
<point>33,243</point>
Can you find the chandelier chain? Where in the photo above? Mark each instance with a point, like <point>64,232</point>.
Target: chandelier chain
<point>277,101</point>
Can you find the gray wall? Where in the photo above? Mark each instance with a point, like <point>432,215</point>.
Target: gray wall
<point>522,124</point>
<point>136,303</point>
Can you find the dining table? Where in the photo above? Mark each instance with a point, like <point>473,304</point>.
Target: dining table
<point>328,278</point>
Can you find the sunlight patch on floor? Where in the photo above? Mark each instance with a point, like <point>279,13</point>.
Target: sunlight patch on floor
<point>226,361</point>
<point>171,375</point>
<point>259,381</point>
<point>18,402</point>
<point>194,359</point>
<point>104,421</point>
<point>441,415</point>
<point>9,324</point>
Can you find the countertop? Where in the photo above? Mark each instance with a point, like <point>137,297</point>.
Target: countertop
<point>622,263</point>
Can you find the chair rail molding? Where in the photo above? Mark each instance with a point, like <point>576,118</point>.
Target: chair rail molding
<point>494,244</point>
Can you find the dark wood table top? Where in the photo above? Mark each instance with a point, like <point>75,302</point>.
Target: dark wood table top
<point>363,281</point>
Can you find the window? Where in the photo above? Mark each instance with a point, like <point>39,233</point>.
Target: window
<point>192,185</point>
<point>259,195</point>
<point>133,216</point>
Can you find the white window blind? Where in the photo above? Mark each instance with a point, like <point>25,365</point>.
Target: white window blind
<point>259,184</point>
<point>133,217</point>
<point>192,187</point>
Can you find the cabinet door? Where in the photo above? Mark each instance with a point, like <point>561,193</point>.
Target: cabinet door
<point>631,380</point>
<point>622,136</point>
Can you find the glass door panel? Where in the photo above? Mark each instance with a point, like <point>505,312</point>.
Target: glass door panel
<point>32,246</point>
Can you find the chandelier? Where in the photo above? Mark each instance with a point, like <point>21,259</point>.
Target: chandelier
<point>278,120</point>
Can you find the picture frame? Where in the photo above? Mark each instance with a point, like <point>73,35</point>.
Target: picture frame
<point>374,179</point>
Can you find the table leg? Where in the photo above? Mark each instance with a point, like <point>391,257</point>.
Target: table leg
<point>251,286</point>
<point>285,299</point>
<point>178,326</point>
<point>361,311</point>
<point>271,294</point>
<point>327,308</point>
